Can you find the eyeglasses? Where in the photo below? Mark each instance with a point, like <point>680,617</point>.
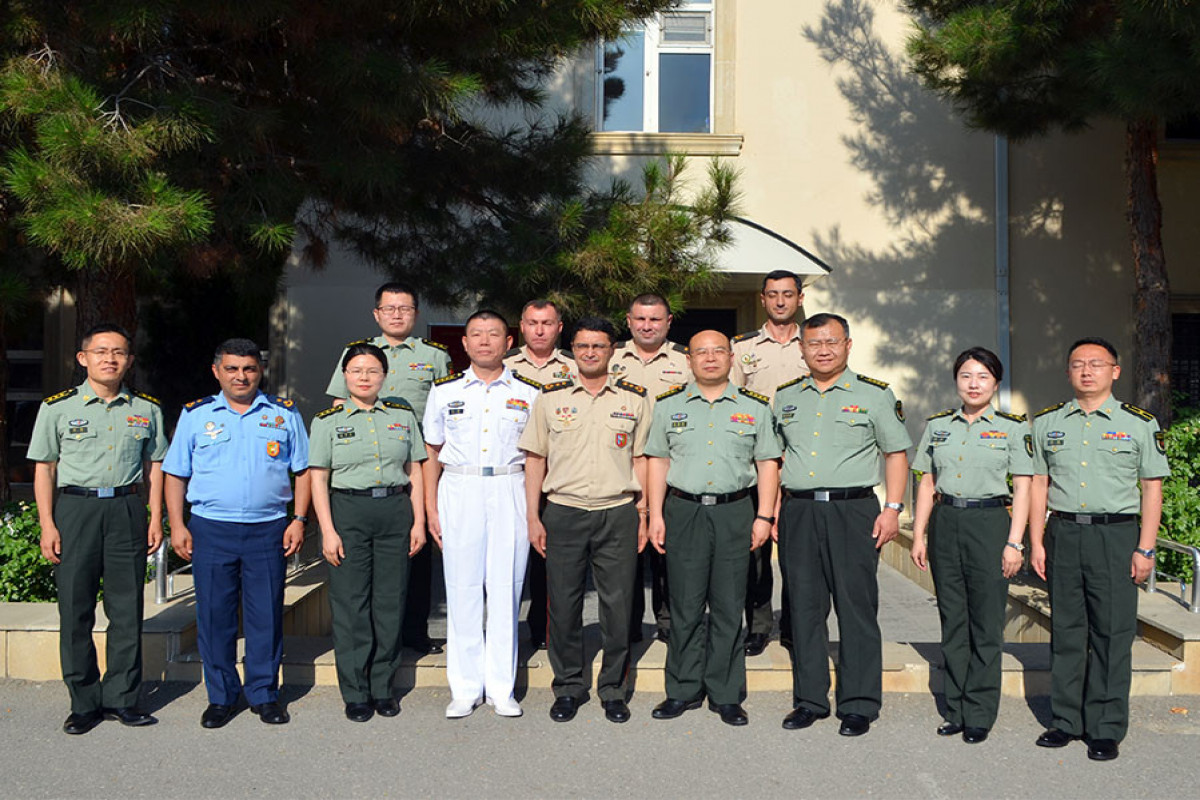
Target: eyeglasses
<point>1094,364</point>
<point>822,344</point>
<point>704,351</point>
<point>403,311</point>
<point>370,373</point>
<point>582,347</point>
<point>105,352</point>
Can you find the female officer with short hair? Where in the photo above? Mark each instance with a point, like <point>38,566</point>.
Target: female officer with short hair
<point>364,459</point>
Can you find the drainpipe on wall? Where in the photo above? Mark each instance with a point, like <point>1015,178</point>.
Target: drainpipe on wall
<point>1003,306</point>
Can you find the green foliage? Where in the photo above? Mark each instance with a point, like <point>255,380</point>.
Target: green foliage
<point>1181,495</point>
<point>25,576</point>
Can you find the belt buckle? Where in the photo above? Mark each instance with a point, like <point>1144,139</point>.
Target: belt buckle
<point>708,499</point>
<point>106,491</point>
<point>1083,519</point>
<point>379,491</point>
<point>487,472</point>
<point>821,496</point>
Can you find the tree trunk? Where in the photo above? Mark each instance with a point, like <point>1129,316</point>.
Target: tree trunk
<point>105,295</point>
<point>1152,320</point>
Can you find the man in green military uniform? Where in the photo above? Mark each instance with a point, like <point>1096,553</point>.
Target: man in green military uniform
<point>838,429</point>
<point>94,444</point>
<point>583,447</point>
<point>1089,456</point>
<point>710,443</point>
<point>414,364</point>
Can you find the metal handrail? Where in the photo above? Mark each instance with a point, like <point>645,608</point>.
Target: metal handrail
<point>1187,550</point>
<point>164,580</point>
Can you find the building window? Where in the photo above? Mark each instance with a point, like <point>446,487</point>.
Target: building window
<point>658,77</point>
<point>1183,129</point>
<point>1185,358</point>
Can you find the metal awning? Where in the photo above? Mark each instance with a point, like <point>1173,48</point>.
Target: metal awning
<point>756,250</point>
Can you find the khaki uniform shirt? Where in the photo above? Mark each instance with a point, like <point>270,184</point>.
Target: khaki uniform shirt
<point>413,366</point>
<point>667,369</point>
<point>589,443</point>
<point>835,439</point>
<point>972,460</point>
<point>1096,460</point>
<point>712,446</point>
<point>97,444</point>
<point>365,449</point>
<point>763,364</point>
<point>560,366</point>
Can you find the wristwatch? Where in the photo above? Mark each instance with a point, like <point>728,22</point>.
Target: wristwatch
<point>897,507</point>
<point>1148,553</point>
<point>300,518</point>
<point>1020,548</point>
<point>765,519</point>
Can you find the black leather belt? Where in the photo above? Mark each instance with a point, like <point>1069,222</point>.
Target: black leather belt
<point>378,491</point>
<point>104,491</point>
<point>825,495</point>
<point>964,502</point>
<point>712,499</point>
<point>1093,519</point>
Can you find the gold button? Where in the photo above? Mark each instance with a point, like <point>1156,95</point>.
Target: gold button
<point>960,458</point>
<point>814,452</point>
<point>110,427</point>
<point>818,413</point>
<point>1085,441</point>
<point>710,463</point>
<point>710,483</point>
<point>1083,484</point>
<point>485,449</point>
<point>377,469</point>
<point>959,475</point>
<point>710,424</point>
<point>710,443</point>
<point>485,431</point>
<point>816,433</point>
<point>1087,424</point>
<point>1083,463</point>
<point>110,447</point>
<point>811,474</point>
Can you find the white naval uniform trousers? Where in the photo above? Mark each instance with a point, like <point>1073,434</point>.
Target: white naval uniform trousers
<point>485,536</point>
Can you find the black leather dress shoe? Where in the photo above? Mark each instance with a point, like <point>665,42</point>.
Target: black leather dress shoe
<point>271,713</point>
<point>357,712</point>
<point>615,710</point>
<point>77,724</point>
<point>564,708</point>
<point>786,644</point>
<point>663,635</point>
<point>425,645</point>
<point>949,729</point>
<point>975,735</point>
<point>216,715</point>
<point>1103,749</point>
<point>800,718</point>
<point>387,707</point>
<point>130,716</point>
<point>1055,738</point>
<point>854,725</point>
<point>670,709</point>
<point>636,635</point>
<point>731,713</point>
<point>755,644</point>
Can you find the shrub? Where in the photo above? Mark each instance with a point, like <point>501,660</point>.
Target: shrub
<point>24,575</point>
<point>1181,497</point>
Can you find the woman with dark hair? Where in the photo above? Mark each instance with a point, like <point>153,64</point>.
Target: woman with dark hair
<point>974,544</point>
<point>364,458</point>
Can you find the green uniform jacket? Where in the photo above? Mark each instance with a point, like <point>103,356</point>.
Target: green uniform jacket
<point>413,366</point>
<point>972,460</point>
<point>366,448</point>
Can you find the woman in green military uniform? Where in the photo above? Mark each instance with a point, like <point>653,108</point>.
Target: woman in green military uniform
<point>364,457</point>
<point>974,544</point>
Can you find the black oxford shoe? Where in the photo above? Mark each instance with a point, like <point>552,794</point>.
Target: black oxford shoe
<point>731,713</point>
<point>854,725</point>
<point>1103,749</point>
<point>755,644</point>
<point>564,708</point>
<point>271,713</point>
<point>80,723</point>
<point>975,735</point>
<point>670,709</point>
<point>358,712</point>
<point>130,716</point>
<point>615,711</point>
<point>425,645</point>
<point>949,729</point>
<point>387,707</point>
<point>800,718</point>
<point>216,715</point>
<point>663,635</point>
<point>1055,738</point>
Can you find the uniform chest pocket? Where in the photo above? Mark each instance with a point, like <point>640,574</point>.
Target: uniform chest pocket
<point>619,433</point>
<point>851,431</point>
<point>740,439</point>
<point>79,439</point>
<point>989,453</point>
<point>512,423</point>
<point>273,442</point>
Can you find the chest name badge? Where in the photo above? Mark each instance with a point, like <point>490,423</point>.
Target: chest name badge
<point>940,436</point>
<point>345,432</point>
<point>455,411</point>
<point>272,449</point>
<point>78,426</point>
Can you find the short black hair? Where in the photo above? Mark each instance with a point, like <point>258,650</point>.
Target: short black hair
<point>823,319</point>
<point>1096,340</point>
<point>396,287</point>
<point>597,324</point>
<point>539,304</point>
<point>486,313</point>
<point>364,350</point>
<point>989,360</point>
<point>105,327</point>
<point>783,275</point>
<point>650,299</point>
<point>238,347</point>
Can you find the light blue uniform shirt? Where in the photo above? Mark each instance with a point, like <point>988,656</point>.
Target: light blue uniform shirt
<point>237,464</point>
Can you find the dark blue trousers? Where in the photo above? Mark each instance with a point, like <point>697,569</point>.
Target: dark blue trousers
<point>239,564</point>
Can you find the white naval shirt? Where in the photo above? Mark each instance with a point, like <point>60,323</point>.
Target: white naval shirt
<point>478,423</point>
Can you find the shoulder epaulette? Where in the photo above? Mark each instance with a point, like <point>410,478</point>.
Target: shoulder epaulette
<point>63,395</point>
<point>1013,417</point>
<point>630,386</point>
<point>438,345</point>
<point>941,414</point>
<point>741,337</point>
<point>146,397</point>
<point>1048,409</point>
<point>872,381</point>
<point>281,401</point>
<point>516,351</point>
<point>453,376</point>
<point>328,412</point>
<point>400,404</point>
<point>530,381</point>
<point>792,382</point>
<point>554,387</point>
<point>679,348</point>
<point>762,398</point>
<point>1138,412</point>
<point>197,403</point>
<point>669,392</point>
<point>565,352</point>
<point>368,340</point>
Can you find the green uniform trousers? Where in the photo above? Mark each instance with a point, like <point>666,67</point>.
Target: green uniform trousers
<point>966,551</point>
<point>827,552</point>
<point>708,550</point>
<point>760,585</point>
<point>102,538</point>
<point>367,592</point>
<point>607,539</point>
<point>1093,620</point>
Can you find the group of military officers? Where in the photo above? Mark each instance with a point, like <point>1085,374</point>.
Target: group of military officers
<point>553,461</point>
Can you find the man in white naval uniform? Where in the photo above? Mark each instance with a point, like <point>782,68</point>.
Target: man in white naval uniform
<point>475,509</point>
